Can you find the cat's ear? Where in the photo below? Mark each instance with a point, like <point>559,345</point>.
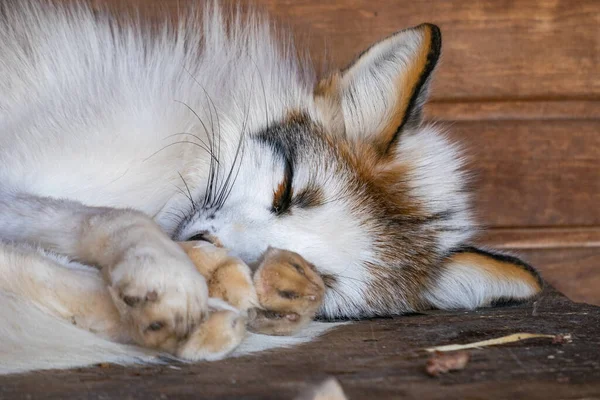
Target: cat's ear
<point>471,277</point>
<point>381,94</point>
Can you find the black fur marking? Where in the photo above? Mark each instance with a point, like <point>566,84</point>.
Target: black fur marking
<point>329,280</point>
<point>413,109</point>
<point>132,301</point>
<point>283,202</point>
<point>298,268</point>
<point>288,294</point>
<point>500,257</point>
<point>308,197</point>
<point>446,215</point>
<point>507,302</point>
<point>284,139</point>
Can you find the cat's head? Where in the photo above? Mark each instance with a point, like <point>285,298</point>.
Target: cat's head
<point>353,181</point>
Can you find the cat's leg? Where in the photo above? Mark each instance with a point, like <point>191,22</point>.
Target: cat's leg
<point>78,294</point>
<point>63,289</point>
<point>154,285</point>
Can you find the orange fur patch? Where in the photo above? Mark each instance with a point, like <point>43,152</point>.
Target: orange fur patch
<point>206,262</point>
<point>498,269</point>
<point>405,88</point>
<point>231,282</point>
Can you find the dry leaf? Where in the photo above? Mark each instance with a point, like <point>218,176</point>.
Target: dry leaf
<point>440,363</point>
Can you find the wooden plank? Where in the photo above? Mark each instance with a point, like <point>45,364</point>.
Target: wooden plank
<point>542,238</point>
<point>493,49</point>
<point>512,110</point>
<point>534,173</point>
<point>376,359</point>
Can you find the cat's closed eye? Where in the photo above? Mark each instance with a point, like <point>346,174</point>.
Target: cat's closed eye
<point>282,196</point>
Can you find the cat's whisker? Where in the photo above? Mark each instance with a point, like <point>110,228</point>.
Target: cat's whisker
<point>173,144</point>
<point>189,193</point>
<point>213,169</point>
<point>225,190</point>
<point>194,136</point>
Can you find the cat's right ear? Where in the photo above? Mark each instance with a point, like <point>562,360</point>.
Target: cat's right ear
<point>381,94</point>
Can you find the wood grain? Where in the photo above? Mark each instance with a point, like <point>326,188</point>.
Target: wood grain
<point>534,173</point>
<point>376,359</point>
<point>542,238</point>
<point>512,110</point>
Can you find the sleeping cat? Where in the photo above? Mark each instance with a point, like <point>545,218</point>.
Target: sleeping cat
<point>117,138</point>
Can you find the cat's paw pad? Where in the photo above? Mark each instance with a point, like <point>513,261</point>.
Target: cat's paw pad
<point>290,291</point>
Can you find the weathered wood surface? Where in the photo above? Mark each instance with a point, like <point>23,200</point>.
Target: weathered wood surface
<point>376,359</point>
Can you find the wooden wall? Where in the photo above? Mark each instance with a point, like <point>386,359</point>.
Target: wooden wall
<point>519,85</point>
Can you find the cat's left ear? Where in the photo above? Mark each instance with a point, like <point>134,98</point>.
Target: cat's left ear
<point>381,94</point>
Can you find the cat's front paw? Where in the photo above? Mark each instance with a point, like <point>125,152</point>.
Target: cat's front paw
<point>290,292</point>
<point>160,296</point>
<point>217,336</point>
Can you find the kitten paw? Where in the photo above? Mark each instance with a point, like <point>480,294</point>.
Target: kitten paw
<point>228,278</point>
<point>290,292</point>
<point>159,295</point>
<point>217,336</point>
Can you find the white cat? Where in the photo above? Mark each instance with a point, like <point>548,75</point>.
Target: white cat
<point>116,138</point>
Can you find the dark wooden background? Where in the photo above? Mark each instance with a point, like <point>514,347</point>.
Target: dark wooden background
<point>519,86</point>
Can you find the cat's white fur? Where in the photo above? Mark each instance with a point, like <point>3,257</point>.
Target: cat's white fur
<point>104,115</point>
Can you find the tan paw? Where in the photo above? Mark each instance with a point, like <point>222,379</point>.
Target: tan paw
<point>290,292</point>
<point>217,336</point>
<point>159,295</point>
<point>228,278</point>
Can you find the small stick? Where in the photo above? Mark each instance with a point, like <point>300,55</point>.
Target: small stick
<point>515,337</point>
